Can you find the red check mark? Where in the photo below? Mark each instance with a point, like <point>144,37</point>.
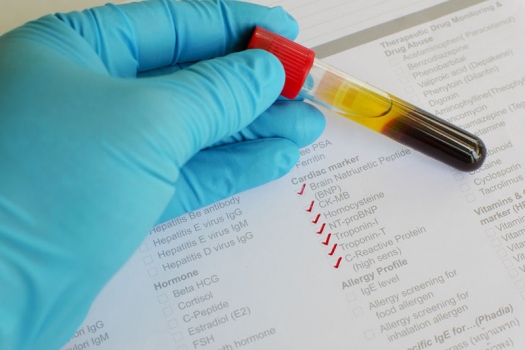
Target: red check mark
<point>301,191</point>
<point>310,207</point>
<point>327,239</point>
<point>338,263</point>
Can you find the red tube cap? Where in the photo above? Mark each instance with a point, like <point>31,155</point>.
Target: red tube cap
<point>295,58</point>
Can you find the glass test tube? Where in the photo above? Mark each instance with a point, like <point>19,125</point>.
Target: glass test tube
<point>312,79</point>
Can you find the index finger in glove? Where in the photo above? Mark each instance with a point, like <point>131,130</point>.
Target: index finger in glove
<point>142,36</point>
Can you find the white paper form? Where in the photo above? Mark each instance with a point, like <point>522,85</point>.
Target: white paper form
<point>323,21</point>
<point>366,244</point>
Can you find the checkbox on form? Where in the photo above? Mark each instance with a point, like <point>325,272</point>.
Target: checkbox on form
<point>358,312</point>
<point>351,297</point>
<point>167,311</point>
<point>369,335</point>
<point>393,62</point>
<point>177,336</point>
<point>414,99</point>
<point>495,242</point>
<point>147,260</point>
<point>520,284</point>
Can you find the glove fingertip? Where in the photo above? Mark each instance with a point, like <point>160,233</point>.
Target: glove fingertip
<point>263,81</point>
<point>286,156</point>
<point>282,23</point>
<point>313,125</point>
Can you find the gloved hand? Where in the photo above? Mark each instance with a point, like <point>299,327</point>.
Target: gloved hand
<point>92,156</point>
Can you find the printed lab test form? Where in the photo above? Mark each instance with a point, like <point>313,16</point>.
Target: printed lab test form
<point>366,244</point>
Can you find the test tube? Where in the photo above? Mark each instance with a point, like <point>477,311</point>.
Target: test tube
<point>310,78</point>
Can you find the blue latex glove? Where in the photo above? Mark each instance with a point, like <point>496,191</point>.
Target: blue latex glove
<point>91,157</point>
